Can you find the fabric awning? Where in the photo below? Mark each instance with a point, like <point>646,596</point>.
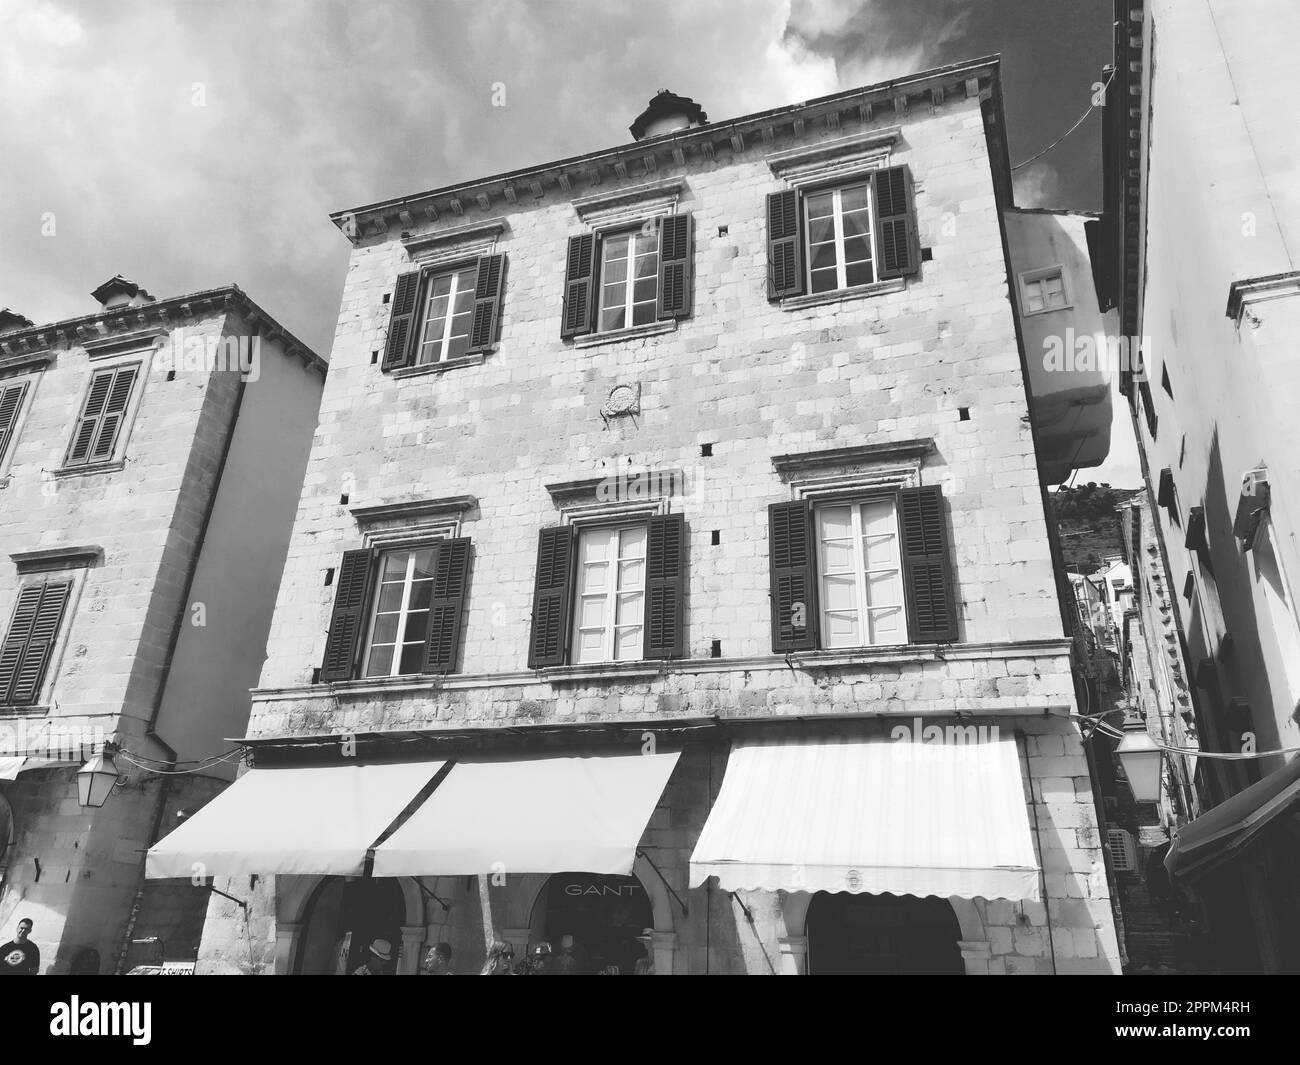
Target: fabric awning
<point>12,765</point>
<point>1219,835</point>
<point>871,815</point>
<point>531,815</point>
<point>302,819</point>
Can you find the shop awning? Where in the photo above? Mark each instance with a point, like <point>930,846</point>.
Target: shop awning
<point>1219,835</point>
<point>531,815</point>
<point>12,765</point>
<point>871,815</point>
<point>304,819</point>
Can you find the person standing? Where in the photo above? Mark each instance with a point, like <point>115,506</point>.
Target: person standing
<point>645,966</point>
<point>377,959</point>
<point>499,959</point>
<point>437,962</point>
<point>20,956</point>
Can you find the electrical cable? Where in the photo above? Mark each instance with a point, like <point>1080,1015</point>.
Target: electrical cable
<point>1091,107</point>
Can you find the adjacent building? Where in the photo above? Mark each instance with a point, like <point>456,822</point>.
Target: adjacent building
<point>151,454</point>
<point>1197,253</point>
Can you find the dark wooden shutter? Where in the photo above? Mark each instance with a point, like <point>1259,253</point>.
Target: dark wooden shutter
<point>11,402</point>
<point>552,594</point>
<point>784,245</point>
<point>110,425</point>
<point>91,412</point>
<point>579,286</point>
<point>675,280</point>
<point>403,326</point>
<point>29,643</point>
<point>927,572</point>
<point>792,565</point>
<point>898,252</point>
<point>447,608</point>
<point>487,302</point>
<point>347,622</point>
<point>665,586</point>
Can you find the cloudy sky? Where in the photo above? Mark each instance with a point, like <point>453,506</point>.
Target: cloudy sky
<point>193,144</point>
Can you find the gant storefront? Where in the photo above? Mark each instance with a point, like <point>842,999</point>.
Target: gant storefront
<point>743,850</point>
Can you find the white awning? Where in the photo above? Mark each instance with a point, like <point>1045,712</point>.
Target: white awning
<point>531,815</point>
<point>871,816</point>
<point>12,765</point>
<point>304,819</point>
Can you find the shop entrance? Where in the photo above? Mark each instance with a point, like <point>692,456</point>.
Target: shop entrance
<point>603,914</point>
<point>882,934</point>
<point>343,917</point>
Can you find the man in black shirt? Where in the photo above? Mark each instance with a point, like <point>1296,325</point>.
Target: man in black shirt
<point>20,956</point>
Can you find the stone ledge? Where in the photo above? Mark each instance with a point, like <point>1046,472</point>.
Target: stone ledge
<point>878,288</point>
<point>801,461</point>
<point>438,367</point>
<point>56,558</point>
<point>612,336</point>
<point>89,468</point>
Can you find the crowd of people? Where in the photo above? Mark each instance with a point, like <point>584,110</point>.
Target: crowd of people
<point>540,960</point>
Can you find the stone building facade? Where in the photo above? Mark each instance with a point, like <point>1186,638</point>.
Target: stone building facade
<point>150,453</point>
<point>751,395</point>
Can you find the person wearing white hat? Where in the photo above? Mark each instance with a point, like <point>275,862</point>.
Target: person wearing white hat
<point>645,966</point>
<point>377,959</point>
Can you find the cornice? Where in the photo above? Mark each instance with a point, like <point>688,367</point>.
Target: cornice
<point>802,461</point>
<point>51,558</point>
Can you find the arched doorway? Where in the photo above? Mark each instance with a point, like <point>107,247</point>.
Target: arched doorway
<point>343,917</point>
<point>852,934</point>
<point>603,914</point>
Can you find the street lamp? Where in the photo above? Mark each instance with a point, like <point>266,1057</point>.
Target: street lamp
<point>96,779</point>
<point>1140,756</point>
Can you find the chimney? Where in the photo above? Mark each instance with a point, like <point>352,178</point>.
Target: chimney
<point>119,291</point>
<point>667,113</point>
<point>12,321</point>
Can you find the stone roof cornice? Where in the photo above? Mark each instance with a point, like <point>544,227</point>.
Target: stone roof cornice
<point>22,344</point>
<point>640,161</point>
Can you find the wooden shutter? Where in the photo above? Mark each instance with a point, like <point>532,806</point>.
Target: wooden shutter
<point>898,252</point>
<point>552,594</point>
<point>792,567</point>
<point>447,608</point>
<point>784,245</point>
<point>347,622</point>
<point>927,574</point>
<point>487,302</point>
<point>91,412</point>
<point>403,326</point>
<point>579,287</point>
<point>110,425</point>
<point>665,587</point>
<point>29,643</point>
<point>675,280</point>
<point>11,402</point>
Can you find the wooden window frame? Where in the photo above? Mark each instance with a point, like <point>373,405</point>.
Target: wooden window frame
<point>1037,277</point>
<point>428,275</point>
<point>837,190</point>
<point>635,233</point>
<point>372,606</point>
<point>609,642</point>
<point>860,573</point>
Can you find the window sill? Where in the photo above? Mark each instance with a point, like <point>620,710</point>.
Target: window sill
<point>92,467</point>
<point>1048,310</point>
<point>590,340</point>
<point>878,288</point>
<point>439,367</point>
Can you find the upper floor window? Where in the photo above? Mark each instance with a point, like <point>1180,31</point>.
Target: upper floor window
<point>839,238</point>
<point>609,593</point>
<point>864,572</point>
<point>13,394</point>
<point>626,278</point>
<point>439,316</point>
<point>842,237</point>
<point>398,612</point>
<point>629,279</point>
<point>99,434</point>
<point>29,644</point>
<point>1044,290</point>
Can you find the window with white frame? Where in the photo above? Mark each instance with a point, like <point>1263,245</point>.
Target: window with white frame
<point>861,574</point>
<point>629,278</point>
<point>448,312</point>
<point>1044,290</point>
<point>610,602</point>
<point>839,228</point>
<point>399,625</point>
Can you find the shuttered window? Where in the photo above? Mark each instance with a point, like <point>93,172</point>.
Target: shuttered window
<point>446,316</point>
<point>860,573</point>
<point>622,586</point>
<point>629,279</point>
<point>11,405</point>
<point>440,316</point>
<point>99,428</point>
<point>29,644</point>
<point>398,612</point>
<point>842,237</point>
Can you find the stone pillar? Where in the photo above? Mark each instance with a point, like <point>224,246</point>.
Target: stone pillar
<point>794,955</point>
<point>976,954</point>
<point>286,944</point>
<point>408,962</point>
<point>664,945</point>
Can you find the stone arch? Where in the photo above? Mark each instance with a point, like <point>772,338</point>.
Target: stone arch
<point>297,895</point>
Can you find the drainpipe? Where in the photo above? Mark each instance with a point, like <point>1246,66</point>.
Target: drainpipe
<point>150,732</point>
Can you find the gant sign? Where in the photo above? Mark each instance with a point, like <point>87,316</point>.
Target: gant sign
<point>602,890</point>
